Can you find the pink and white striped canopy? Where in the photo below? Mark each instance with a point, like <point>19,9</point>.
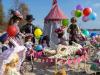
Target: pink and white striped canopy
<point>55,13</point>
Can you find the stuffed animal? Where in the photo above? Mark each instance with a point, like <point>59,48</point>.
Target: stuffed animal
<point>61,72</point>
<point>10,68</point>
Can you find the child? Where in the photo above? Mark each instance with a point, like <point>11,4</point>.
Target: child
<point>5,42</point>
<point>44,41</point>
<point>29,27</point>
<point>73,31</point>
<point>62,38</point>
<point>15,20</point>
<point>28,42</point>
<point>10,68</point>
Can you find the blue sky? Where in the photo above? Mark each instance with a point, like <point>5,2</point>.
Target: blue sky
<point>40,8</point>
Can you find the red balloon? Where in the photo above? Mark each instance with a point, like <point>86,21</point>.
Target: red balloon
<point>87,11</point>
<point>12,30</point>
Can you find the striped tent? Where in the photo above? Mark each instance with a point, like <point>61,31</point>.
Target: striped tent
<point>53,21</point>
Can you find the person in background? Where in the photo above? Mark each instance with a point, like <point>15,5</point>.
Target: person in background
<point>29,27</point>
<point>4,39</point>
<point>73,30</point>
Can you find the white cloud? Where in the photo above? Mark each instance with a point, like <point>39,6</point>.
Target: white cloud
<point>96,5</point>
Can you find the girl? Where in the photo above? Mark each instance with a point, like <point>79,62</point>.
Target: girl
<point>14,20</point>
<point>73,31</point>
<point>28,42</point>
<point>29,27</point>
<point>44,41</point>
<point>60,32</point>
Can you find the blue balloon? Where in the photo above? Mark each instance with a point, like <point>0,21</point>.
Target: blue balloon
<point>93,34</point>
<point>38,48</point>
<point>92,16</point>
<point>86,32</point>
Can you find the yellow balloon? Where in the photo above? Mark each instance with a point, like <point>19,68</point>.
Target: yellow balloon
<point>38,32</point>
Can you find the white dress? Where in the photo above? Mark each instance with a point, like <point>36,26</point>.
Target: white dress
<point>29,45</point>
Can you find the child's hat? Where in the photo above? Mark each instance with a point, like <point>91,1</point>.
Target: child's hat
<point>3,37</point>
<point>30,17</point>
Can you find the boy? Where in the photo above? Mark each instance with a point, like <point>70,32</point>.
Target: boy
<point>29,27</point>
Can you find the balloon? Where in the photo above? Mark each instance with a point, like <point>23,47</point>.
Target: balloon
<point>73,13</point>
<point>87,11</point>
<point>85,18</point>
<point>38,47</point>
<point>12,31</point>
<point>79,7</point>
<point>78,13</point>
<point>93,34</point>
<point>92,16</point>
<point>85,32</point>
<point>65,22</point>
<point>38,32</point>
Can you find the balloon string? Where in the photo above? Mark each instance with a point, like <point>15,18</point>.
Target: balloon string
<point>56,70</point>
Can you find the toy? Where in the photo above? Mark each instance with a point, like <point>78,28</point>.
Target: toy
<point>10,68</point>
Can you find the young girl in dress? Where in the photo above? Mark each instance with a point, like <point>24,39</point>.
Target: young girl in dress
<point>16,18</point>
<point>28,42</point>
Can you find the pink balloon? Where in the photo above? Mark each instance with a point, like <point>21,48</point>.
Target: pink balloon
<point>85,18</point>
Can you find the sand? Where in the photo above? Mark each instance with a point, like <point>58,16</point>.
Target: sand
<point>42,69</point>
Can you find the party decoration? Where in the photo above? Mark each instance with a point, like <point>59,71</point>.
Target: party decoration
<point>12,31</point>
<point>92,16</point>
<point>93,34</point>
<point>73,12</point>
<point>87,11</point>
<point>38,32</point>
<point>38,48</point>
<point>78,13</point>
<point>79,7</point>
<point>65,22</point>
<point>85,32</point>
<point>85,18</point>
